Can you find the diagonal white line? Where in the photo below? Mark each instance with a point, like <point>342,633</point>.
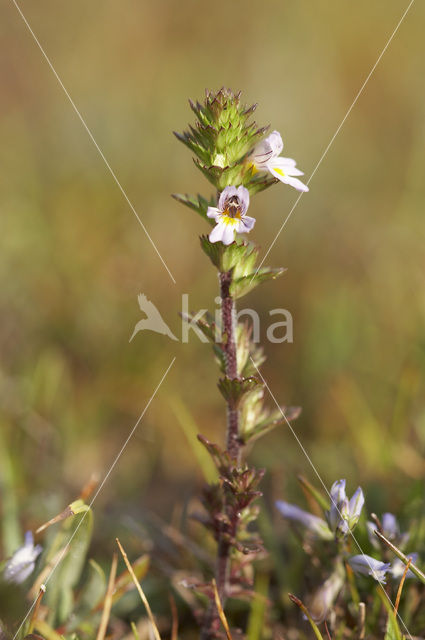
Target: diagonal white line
<point>324,486</point>
<point>111,468</point>
<point>93,140</point>
<point>322,157</point>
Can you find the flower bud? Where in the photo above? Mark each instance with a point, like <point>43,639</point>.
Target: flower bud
<point>344,514</point>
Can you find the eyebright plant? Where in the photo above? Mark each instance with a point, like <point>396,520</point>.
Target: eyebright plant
<point>239,160</point>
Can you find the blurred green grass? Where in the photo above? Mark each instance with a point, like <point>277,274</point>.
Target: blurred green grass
<point>73,257</point>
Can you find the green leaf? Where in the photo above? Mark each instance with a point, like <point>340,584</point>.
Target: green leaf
<point>275,419</point>
<point>220,458</point>
<point>11,531</point>
<point>220,357</point>
<point>392,631</point>
<point>46,630</point>
<point>234,390</point>
<point>255,360</point>
<point>306,612</point>
<point>225,257</point>
<point>198,204</point>
<point>74,537</point>
<point>212,332</point>
<point>246,266</point>
<point>258,607</point>
<point>259,182</point>
<point>134,631</point>
<point>93,590</point>
<point>190,430</point>
<point>206,324</point>
<point>322,500</point>
<point>241,286</point>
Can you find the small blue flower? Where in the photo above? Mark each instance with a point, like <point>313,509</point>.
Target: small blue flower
<point>398,567</point>
<point>390,529</point>
<point>22,563</point>
<point>344,514</point>
<point>368,566</point>
<point>316,525</point>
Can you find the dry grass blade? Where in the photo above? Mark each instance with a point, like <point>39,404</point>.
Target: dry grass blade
<point>327,631</point>
<point>108,600</point>
<point>89,487</point>
<point>362,620</point>
<point>220,611</point>
<point>400,586</point>
<point>174,618</point>
<point>140,590</point>
<point>306,612</point>
<point>66,513</point>
<point>36,608</point>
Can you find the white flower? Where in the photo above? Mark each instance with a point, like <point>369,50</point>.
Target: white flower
<point>313,523</point>
<point>266,157</point>
<point>230,215</point>
<point>22,563</point>
<point>344,514</point>
<point>368,566</point>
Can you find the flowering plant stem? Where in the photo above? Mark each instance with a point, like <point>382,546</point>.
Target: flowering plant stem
<point>228,313</point>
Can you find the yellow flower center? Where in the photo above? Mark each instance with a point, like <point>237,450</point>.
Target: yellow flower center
<point>279,171</point>
<point>230,219</point>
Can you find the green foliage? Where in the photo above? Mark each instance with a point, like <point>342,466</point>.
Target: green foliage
<point>241,286</point>
<point>190,429</point>
<point>267,420</point>
<point>234,391</point>
<point>228,504</point>
<point>392,630</point>
<point>92,592</point>
<point>221,139</point>
<point>198,204</point>
<point>11,534</point>
<point>75,591</point>
<point>240,258</point>
<point>72,540</point>
<point>226,258</point>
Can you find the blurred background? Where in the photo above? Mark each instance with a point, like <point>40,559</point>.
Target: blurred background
<point>74,257</point>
